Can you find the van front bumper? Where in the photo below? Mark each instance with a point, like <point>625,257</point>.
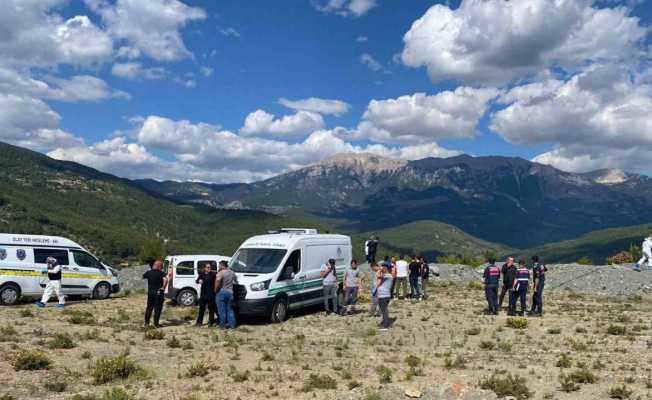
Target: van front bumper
<point>255,307</point>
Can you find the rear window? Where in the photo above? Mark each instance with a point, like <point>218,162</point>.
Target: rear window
<point>201,264</point>
<point>186,268</point>
<point>40,255</point>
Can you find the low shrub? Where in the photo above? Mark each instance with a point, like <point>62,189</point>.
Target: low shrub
<point>517,322</point>
<point>198,369</point>
<point>507,385</point>
<point>79,317</point>
<point>320,382</point>
<point>384,374</point>
<point>620,392</point>
<point>61,341</point>
<point>617,330</point>
<point>564,362</point>
<point>109,369</point>
<point>56,386</point>
<point>153,334</point>
<point>173,343</point>
<point>31,360</point>
<point>487,345</point>
<point>412,361</point>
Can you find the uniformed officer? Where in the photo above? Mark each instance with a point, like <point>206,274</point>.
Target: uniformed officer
<point>539,279</point>
<point>520,288</point>
<point>491,279</point>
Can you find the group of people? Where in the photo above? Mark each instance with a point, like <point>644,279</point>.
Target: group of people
<point>515,282</point>
<point>216,294</point>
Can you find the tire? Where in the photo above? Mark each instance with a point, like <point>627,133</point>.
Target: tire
<point>279,310</point>
<point>186,298</point>
<point>102,291</point>
<point>9,294</point>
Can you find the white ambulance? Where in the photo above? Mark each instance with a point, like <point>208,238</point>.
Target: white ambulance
<point>280,271</point>
<point>22,259</point>
<point>183,271</point>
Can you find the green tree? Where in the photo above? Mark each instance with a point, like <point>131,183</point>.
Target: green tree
<point>151,250</point>
<point>635,251</point>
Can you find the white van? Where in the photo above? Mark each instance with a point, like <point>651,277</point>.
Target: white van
<point>183,271</point>
<point>280,271</point>
<point>22,258</point>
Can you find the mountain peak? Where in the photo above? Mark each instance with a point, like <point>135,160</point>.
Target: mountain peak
<point>611,176</point>
<point>362,162</point>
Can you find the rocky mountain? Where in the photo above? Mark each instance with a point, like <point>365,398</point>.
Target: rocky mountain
<point>498,199</point>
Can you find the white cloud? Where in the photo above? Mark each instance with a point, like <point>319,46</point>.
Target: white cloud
<point>322,106</point>
<point>421,118</point>
<point>33,36</point>
<point>345,8</point>
<point>206,71</point>
<point>230,32</point>
<point>150,26</point>
<point>370,62</point>
<point>417,152</point>
<point>261,122</point>
<point>128,53</point>
<point>597,117</point>
<point>82,88</point>
<point>135,70</point>
<point>495,41</point>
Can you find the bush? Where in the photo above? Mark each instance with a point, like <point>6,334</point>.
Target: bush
<point>475,285</point>
<point>584,261</point>
<point>117,394</point>
<point>79,317</point>
<point>571,382</point>
<point>564,362</point>
<point>517,322</point>
<point>198,369</point>
<point>173,343</point>
<point>109,369</point>
<point>322,382</point>
<point>61,341</point>
<point>487,345</point>
<point>617,330</point>
<point>57,386</point>
<point>620,392</point>
<point>554,331</point>
<point>624,257</point>
<point>153,334</point>
<point>384,374</point>
<point>473,331</point>
<point>507,385</point>
<point>458,363</point>
<point>25,313</point>
<point>151,250</point>
<point>238,376</point>
<point>412,361</point>
<point>31,360</point>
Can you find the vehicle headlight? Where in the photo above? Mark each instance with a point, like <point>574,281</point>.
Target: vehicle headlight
<point>258,286</point>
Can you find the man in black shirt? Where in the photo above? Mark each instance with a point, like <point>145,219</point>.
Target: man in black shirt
<point>206,296</point>
<point>156,283</point>
<point>508,279</point>
<point>415,273</point>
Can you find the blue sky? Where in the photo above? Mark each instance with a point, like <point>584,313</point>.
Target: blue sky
<point>179,90</point>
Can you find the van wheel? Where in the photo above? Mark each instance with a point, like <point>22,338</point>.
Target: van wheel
<point>279,310</point>
<point>9,294</point>
<point>102,291</point>
<point>186,298</point>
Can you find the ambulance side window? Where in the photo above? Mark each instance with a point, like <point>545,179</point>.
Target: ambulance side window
<point>186,268</point>
<point>201,264</point>
<point>40,255</point>
<point>294,261</point>
<point>84,259</point>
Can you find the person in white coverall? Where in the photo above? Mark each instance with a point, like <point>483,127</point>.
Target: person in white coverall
<point>54,285</point>
<point>646,248</point>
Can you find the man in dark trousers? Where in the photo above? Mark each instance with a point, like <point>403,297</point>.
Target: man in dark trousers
<point>414,269</point>
<point>520,288</point>
<point>539,279</point>
<point>507,286</point>
<point>156,283</point>
<point>206,279</point>
<point>491,281</point>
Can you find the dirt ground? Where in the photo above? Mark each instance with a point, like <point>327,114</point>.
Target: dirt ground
<point>441,348</point>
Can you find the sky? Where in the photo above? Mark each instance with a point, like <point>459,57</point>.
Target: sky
<point>231,91</point>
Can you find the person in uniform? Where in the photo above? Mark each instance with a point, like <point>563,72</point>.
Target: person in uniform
<point>491,281</point>
<point>539,280</point>
<point>54,283</point>
<point>206,279</point>
<point>156,283</point>
<point>520,288</point>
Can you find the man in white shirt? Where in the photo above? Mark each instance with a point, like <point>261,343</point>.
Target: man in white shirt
<point>329,274</point>
<point>401,277</point>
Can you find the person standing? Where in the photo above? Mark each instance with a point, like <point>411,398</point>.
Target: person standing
<point>352,285</point>
<point>224,284</point>
<point>414,273</point>
<point>491,281</point>
<point>646,248</point>
<point>206,279</point>
<point>373,307</point>
<point>507,286</point>
<point>54,283</point>
<point>539,280</point>
<point>401,277</point>
<point>329,273</point>
<point>156,284</point>
<point>384,284</point>
<point>371,248</point>
<point>520,288</point>
<point>425,276</point>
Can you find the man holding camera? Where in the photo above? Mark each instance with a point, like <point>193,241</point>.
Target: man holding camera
<point>329,274</point>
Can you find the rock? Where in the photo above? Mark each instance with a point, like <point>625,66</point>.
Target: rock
<point>413,393</point>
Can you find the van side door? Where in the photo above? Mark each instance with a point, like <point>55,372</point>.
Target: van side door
<point>185,274</point>
<point>69,283</point>
<point>291,279</point>
<point>314,259</point>
<point>88,269</point>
